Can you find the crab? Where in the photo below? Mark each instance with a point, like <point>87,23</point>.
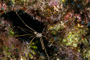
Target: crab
<point>34,35</point>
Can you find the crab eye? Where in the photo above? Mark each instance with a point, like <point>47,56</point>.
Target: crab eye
<point>35,32</point>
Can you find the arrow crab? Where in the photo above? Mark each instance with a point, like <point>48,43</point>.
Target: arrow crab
<point>28,27</point>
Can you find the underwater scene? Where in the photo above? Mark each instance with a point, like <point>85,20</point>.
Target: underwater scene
<point>44,29</point>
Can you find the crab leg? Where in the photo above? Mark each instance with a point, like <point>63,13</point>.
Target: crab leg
<point>24,22</point>
<point>22,35</point>
<point>32,40</point>
<point>43,47</point>
<point>24,29</point>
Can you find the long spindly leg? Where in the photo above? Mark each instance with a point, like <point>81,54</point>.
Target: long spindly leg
<point>43,47</point>
<point>32,40</point>
<point>24,29</point>
<point>44,36</point>
<point>43,29</point>
<point>41,40</point>
<point>30,36</point>
<point>27,9</point>
<point>22,35</point>
<point>25,23</point>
